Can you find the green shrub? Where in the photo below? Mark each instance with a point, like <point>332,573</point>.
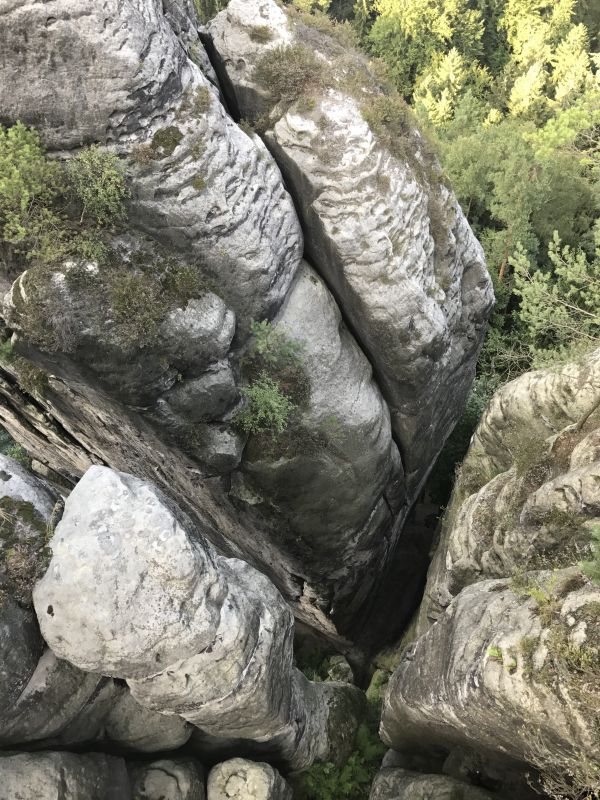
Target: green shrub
<point>272,346</point>
<point>198,183</point>
<point>261,33</point>
<point>287,72</point>
<point>267,408</point>
<point>592,567</point>
<point>97,179</point>
<point>19,454</point>
<point>207,9</point>
<point>352,781</point>
<point>139,305</point>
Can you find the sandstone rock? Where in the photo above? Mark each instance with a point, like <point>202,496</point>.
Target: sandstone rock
<point>336,471</point>
<point>528,493</point>
<point>511,681</point>
<point>131,725</point>
<point>55,704</point>
<point>46,776</point>
<point>400,784</point>
<point>239,779</point>
<point>215,646</point>
<point>20,648</point>
<point>99,71</point>
<point>394,245</point>
<point>168,779</point>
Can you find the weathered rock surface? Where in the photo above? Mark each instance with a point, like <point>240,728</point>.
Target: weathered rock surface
<point>28,507</point>
<point>20,647</point>
<point>168,779</point>
<point>47,776</point>
<point>239,779</point>
<point>131,725</point>
<point>528,495</point>
<point>215,646</point>
<point>209,199</point>
<point>336,470</point>
<point>415,291</point>
<point>511,680</point>
<point>400,784</point>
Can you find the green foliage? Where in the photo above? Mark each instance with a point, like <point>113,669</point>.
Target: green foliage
<point>165,140</point>
<point>267,408</point>
<point>97,179</point>
<point>352,780</point>
<point>592,567</point>
<point>139,305</point>
<point>37,194</point>
<point>272,346</point>
<point>560,307</point>
<point>289,71</point>
<point>19,454</point>
<point>207,9</point>
<point>261,33</point>
<point>495,653</point>
<point>29,184</point>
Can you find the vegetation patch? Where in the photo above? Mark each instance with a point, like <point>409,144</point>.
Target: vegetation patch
<point>261,33</point>
<point>165,141</point>
<point>201,102</point>
<point>24,551</point>
<point>289,71</point>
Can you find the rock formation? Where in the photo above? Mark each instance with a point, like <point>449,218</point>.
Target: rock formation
<point>211,242</point>
<point>238,779</point>
<point>506,602</point>
<point>134,591</point>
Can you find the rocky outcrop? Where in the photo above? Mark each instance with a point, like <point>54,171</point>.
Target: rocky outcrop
<point>239,779</point>
<point>391,241</point>
<point>527,495</point>
<point>45,776</point>
<point>513,681</point>
<point>168,779</point>
<point>131,725</point>
<point>393,783</point>
<point>134,591</point>
<point>145,357</point>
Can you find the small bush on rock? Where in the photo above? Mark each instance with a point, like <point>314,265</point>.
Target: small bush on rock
<point>267,408</point>
<point>288,72</point>
<point>97,179</point>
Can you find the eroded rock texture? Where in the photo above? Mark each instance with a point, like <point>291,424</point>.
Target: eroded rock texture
<point>239,779</point>
<point>394,245</point>
<point>512,679</point>
<point>528,493</point>
<point>46,776</point>
<point>400,784</point>
<point>134,591</point>
<point>211,242</point>
<point>168,779</point>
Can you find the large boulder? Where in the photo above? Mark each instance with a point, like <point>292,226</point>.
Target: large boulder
<point>528,493</point>
<point>510,669</point>
<point>51,775</point>
<point>239,779</point>
<point>215,646</point>
<point>380,227</point>
<point>137,728</point>
<point>168,779</point>
<point>393,783</point>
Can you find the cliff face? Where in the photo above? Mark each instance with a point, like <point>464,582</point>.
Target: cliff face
<point>384,322</point>
<point>507,656</point>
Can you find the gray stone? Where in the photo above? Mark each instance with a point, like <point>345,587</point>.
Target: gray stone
<point>399,784</point>
<point>89,72</point>
<point>493,673</point>
<point>239,779</point>
<point>336,471</point>
<point>131,725</point>
<point>215,646</point>
<point>47,776</point>
<point>20,648</point>
<point>207,397</point>
<point>528,493</point>
<point>168,779</point>
<point>56,697</point>
<point>394,245</point>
